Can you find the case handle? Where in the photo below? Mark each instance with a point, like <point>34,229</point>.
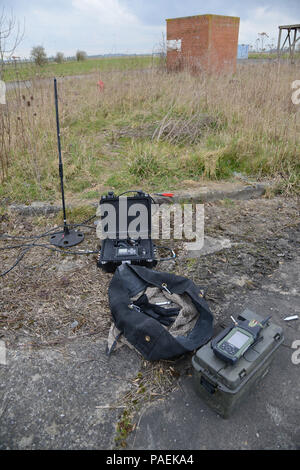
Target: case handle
<point>211,388</point>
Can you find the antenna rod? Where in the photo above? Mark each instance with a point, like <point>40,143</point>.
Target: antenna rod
<point>61,173</point>
<point>67,237</point>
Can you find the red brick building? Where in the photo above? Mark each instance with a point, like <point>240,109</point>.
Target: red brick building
<point>203,42</point>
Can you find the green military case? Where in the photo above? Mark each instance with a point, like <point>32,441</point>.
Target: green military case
<point>223,386</point>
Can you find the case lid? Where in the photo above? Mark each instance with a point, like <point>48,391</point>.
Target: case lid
<point>130,214</point>
<point>233,376</point>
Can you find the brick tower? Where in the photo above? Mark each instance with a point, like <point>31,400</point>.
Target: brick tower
<point>203,43</point>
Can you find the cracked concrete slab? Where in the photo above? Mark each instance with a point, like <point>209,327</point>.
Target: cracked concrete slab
<point>224,190</point>
<point>61,398</point>
<point>210,245</point>
<point>210,191</point>
<point>268,419</point>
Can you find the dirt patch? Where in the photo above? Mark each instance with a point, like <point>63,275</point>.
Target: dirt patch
<point>264,233</point>
<point>51,297</point>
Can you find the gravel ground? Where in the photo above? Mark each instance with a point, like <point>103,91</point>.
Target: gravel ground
<point>50,296</point>
<point>263,234</point>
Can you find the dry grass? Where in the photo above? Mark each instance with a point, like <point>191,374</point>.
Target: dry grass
<point>51,298</point>
<point>59,297</point>
<point>207,126</point>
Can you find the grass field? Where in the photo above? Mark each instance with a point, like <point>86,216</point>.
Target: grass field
<point>271,55</point>
<point>28,70</point>
<point>150,129</point>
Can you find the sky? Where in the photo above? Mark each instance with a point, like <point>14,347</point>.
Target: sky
<point>134,26</point>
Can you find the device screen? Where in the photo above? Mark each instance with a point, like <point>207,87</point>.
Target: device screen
<point>122,251</point>
<point>238,339</point>
<point>127,251</point>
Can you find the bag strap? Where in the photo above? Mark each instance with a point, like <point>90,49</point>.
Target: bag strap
<point>111,349</point>
<point>163,315</point>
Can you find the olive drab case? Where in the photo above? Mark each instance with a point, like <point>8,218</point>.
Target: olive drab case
<point>224,386</point>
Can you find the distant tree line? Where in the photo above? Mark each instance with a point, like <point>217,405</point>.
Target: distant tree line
<point>39,57</point>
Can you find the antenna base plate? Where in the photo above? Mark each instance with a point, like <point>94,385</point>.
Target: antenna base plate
<point>65,239</point>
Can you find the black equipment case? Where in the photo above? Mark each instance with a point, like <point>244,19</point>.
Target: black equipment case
<point>223,386</point>
<point>120,247</point>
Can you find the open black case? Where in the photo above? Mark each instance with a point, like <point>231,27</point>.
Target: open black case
<point>117,246</point>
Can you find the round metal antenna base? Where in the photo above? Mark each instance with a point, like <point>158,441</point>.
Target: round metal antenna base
<point>64,240</point>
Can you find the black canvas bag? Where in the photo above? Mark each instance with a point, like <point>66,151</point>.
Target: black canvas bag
<point>145,332</point>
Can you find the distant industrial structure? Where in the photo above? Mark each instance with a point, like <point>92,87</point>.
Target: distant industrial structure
<point>243,51</point>
<point>203,43</point>
<point>292,36</point>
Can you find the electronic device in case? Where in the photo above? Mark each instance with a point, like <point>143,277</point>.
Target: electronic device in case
<point>224,386</point>
<point>234,341</point>
<point>120,246</point>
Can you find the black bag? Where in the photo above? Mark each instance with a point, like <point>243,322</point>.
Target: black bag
<point>142,324</point>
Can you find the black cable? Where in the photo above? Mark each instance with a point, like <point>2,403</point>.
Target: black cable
<point>169,249</point>
<point>87,226</point>
<point>12,247</point>
<point>32,237</point>
<point>34,245</point>
<point>44,245</point>
<point>68,252</point>
<point>50,248</point>
<point>28,246</point>
<point>136,191</point>
<point>45,234</point>
<point>129,191</point>
<point>15,264</point>
<point>82,224</point>
<point>38,266</point>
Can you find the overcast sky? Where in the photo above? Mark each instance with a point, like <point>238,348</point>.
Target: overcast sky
<point>135,26</point>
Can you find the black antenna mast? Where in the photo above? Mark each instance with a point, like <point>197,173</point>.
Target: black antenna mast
<point>67,237</point>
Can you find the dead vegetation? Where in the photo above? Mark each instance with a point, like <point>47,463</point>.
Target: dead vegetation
<point>221,124</point>
<point>188,131</point>
<point>50,298</point>
<point>153,382</point>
